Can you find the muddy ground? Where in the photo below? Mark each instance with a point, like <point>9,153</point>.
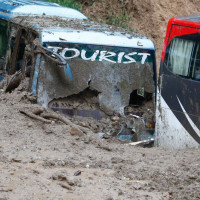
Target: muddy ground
<point>38,161</point>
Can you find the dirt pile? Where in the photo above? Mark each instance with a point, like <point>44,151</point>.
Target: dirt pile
<point>148,17</point>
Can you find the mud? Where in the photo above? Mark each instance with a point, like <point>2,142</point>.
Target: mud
<point>38,161</point>
<point>37,23</point>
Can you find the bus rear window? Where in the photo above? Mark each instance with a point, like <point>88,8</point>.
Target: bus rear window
<point>183,56</point>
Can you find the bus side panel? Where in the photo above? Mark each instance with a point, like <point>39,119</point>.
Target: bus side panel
<point>177,117</point>
<point>169,131</point>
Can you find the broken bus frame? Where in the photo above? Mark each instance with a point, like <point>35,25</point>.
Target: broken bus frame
<point>109,71</point>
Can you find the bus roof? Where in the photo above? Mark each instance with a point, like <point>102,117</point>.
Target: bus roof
<point>55,29</point>
<point>52,21</point>
<point>11,8</point>
<point>191,20</point>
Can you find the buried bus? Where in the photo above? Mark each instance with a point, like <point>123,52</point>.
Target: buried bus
<point>178,103</point>
<point>80,68</point>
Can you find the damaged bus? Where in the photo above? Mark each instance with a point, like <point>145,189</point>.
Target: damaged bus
<point>82,69</point>
<point>178,104</point>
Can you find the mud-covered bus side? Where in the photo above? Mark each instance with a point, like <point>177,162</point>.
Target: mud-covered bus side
<point>178,104</point>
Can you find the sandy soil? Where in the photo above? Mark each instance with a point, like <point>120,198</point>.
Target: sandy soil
<point>38,161</point>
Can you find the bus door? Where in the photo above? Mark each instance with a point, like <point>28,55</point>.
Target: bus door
<point>178,102</point>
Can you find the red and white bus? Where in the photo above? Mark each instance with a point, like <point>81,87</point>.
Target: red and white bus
<point>178,96</point>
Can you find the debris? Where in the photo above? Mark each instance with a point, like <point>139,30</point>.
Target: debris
<point>65,121</point>
<point>63,177</point>
<point>141,142</point>
<point>125,134</point>
<point>14,81</point>
<point>115,118</point>
<point>101,135</point>
<point>38,111</point>
<point>66,186</point>
<point>30,124</point>
<point>87,166</point>
<point>5,189</point>
<point>2,83</point>
<point>77,173</point>
<point>47,129</point>
<point>104,147</point>
<point>33,116</point>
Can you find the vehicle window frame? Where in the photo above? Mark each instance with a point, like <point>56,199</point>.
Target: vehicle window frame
<point>192,66</point>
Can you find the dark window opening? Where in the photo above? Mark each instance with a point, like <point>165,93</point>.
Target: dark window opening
<point>138,97</point>
<point>17,46</point>
<point>20,54</point>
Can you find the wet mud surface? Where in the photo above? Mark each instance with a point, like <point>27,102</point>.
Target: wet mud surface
<point>40,161</point>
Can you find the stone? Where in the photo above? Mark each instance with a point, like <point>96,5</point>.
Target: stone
<point>115,118</point>
<point>76,132</point>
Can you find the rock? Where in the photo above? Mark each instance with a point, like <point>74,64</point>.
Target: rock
<point>87,166</point>
<point>63,177</point>
<point>83,124</point>
<point>115,118</point>
<point>47,129</point>
<point>120,192</point>
<point>77,173</point>
<point>30,124</point>
<point>76,132</point>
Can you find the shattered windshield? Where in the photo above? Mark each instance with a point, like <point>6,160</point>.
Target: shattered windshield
<point>113,72</point>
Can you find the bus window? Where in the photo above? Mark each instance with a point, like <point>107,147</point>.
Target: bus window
<point>183,56</point>
<point>179,56</point>
<point>196,65</point>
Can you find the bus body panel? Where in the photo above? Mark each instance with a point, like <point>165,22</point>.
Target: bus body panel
<point>170,133</point>
<point>178,105</point>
